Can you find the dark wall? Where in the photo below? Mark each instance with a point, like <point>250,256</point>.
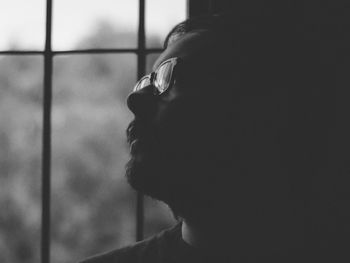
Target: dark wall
<point>316,82</point>
<point>198,7</point>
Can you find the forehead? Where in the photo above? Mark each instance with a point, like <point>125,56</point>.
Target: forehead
<point>187,47</point>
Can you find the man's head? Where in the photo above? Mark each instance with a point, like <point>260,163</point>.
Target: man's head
<point>211,143</point>
<point>181,140</point>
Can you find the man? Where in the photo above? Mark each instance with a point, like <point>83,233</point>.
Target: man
<point>211,139</point>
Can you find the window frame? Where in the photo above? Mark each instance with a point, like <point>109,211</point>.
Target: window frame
<point>194,7</point>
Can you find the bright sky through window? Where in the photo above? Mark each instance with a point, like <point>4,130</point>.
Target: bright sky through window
<point>22,23</point>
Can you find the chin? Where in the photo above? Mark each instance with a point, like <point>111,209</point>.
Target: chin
<point>144,175</point>
<point>153,177</point>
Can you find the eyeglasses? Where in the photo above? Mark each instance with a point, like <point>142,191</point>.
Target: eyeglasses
<point>162,78</point>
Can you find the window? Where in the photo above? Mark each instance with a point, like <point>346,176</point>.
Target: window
<point>65,72</point>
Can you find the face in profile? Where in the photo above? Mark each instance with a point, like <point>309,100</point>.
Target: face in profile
<point>177,137</point>
<point>208,141</point>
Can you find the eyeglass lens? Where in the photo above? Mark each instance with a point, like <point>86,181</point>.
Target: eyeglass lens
<point>145,81</point>
<point>163,77</point>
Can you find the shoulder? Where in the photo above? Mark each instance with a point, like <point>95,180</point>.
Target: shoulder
<point>127,254</point>
<point>122,255</point>
<point>148,250</point>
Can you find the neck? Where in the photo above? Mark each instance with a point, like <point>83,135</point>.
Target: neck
<point>212,243</point>
<point>203,236</point>
<point>188,234</point>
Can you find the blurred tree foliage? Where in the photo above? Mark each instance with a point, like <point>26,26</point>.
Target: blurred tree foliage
<point>92,206</point>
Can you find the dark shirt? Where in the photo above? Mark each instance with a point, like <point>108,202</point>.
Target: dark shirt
<point>165,247</point>
<point>169,247</point>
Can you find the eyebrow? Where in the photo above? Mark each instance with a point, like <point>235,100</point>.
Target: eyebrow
<point>155,66</point>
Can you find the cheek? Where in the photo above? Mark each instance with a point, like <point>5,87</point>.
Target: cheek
<point>186,127</point>
<point>177,119</point>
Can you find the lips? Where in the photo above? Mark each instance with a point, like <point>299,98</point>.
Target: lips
<point>139,137</point>
<point>136,146</point>
<point>133,146</point>
<point>134,132</point>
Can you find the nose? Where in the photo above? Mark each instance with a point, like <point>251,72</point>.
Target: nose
<point>142,103</point>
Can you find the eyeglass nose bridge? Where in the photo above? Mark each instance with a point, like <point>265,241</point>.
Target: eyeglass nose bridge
<point>150,77</point>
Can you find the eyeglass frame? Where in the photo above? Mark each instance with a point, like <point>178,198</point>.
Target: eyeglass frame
<point>151,77</point>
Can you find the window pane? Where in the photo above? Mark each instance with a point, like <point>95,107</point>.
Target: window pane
<point>161,17</point>
<point>20,158</point>
<point>22,24</point>
<point>95,24</point>
<point>93,207</point>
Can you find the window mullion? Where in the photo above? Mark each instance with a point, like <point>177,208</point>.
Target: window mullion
<point>46,139</point>
<point>141,68</point>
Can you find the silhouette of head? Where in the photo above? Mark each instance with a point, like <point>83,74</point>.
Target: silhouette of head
<point>181,138</point>
<point>208,127</point>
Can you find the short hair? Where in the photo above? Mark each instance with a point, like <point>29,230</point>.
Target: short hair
<point>222,29</point>
<point>217,23</point>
